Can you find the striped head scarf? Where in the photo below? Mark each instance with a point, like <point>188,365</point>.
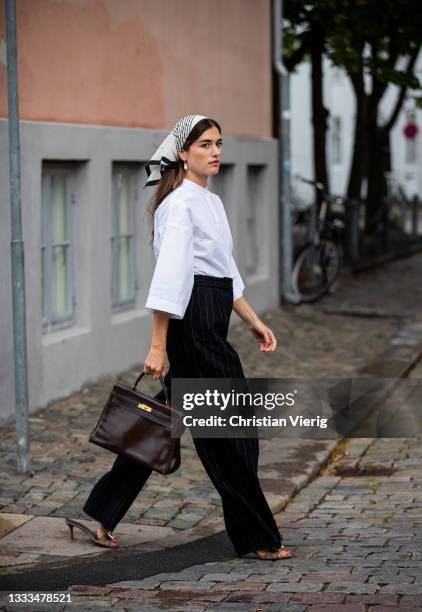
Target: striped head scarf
<point>166,156</point>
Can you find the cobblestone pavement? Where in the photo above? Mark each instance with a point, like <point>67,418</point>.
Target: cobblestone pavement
<point>356,542</point>
<point>312,343</point>
<point>395,290</point>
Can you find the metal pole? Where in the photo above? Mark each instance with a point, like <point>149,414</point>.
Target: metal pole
<point>17,248</point>
<point>415,205</point>
<point>284,156</point>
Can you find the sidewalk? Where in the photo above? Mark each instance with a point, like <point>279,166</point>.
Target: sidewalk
<point>314,341</point>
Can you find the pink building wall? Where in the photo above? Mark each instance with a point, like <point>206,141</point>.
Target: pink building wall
<point>144,63</point>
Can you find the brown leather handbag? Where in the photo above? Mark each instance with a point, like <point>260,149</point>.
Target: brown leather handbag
<point>139,426</point>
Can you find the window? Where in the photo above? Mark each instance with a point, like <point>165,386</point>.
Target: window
<point>254,218</point>
<point>336,144</point>
<point>57,288</point>
<point>123,269</point>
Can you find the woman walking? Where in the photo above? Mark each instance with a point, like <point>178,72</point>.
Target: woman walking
<point>195,287</point>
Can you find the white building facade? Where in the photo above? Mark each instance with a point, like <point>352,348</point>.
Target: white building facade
<point>339,99</point>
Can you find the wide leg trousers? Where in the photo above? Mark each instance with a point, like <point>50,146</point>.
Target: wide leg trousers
<point>197,346</point>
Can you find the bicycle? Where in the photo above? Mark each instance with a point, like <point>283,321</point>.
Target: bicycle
<point>317,264</point>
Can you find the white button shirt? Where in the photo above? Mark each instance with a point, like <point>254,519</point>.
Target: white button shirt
<point>191,236</point>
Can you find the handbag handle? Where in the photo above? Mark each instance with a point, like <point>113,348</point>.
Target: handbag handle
<point>162,384</point>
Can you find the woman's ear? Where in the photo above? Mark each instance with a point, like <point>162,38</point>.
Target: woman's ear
<point>182,155</point>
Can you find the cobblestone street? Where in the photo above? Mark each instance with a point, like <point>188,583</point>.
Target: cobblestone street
<point>356,542</point>
<point>356,537</point>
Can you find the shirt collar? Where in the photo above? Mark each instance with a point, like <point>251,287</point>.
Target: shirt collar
<point>192,185</point>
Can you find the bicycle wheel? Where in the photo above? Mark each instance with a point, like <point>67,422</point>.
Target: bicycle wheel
<point>315,270</point>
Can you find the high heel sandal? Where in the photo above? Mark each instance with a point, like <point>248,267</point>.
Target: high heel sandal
<point>106,541</point>
<point>264,557</point>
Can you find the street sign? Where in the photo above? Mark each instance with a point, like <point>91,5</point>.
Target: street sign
<point>410,131</point>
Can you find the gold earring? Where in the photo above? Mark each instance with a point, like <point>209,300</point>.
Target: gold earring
<point>185,165</point>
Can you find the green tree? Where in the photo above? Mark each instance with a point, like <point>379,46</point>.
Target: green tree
<point>377,44</point>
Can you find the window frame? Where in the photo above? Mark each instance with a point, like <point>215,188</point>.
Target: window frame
<point>49,321</point>
<point>254,263</point>
<point>132,170</point>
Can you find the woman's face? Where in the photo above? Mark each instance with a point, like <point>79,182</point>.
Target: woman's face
<point>203,156</point>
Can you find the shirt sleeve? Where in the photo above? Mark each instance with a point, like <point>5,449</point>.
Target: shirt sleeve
<point>238,284</point>
<point>172,282</point>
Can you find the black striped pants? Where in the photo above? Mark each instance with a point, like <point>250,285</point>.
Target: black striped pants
<point>197,346</point>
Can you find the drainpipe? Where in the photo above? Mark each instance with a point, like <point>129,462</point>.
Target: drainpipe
<point>17,248</point>
<point>284,166</point>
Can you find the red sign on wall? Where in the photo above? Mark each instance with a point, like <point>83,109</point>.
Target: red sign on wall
<point>410,131</point>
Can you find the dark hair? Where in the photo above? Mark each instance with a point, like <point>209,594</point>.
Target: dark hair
<point>173,177</point>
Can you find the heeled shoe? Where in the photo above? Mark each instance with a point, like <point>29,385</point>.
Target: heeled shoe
<point>106,541</point>
<point>263,554</point>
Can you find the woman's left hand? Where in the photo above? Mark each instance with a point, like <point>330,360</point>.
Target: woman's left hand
<point>265,337</point>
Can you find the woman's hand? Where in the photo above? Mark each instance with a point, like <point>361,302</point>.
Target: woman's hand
<point>156,362</point>
<point>264,335</point>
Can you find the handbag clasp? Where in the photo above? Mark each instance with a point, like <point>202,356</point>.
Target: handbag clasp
<point>145,407</point>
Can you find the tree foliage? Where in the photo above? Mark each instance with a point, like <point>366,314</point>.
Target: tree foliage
<point>377,44</point>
